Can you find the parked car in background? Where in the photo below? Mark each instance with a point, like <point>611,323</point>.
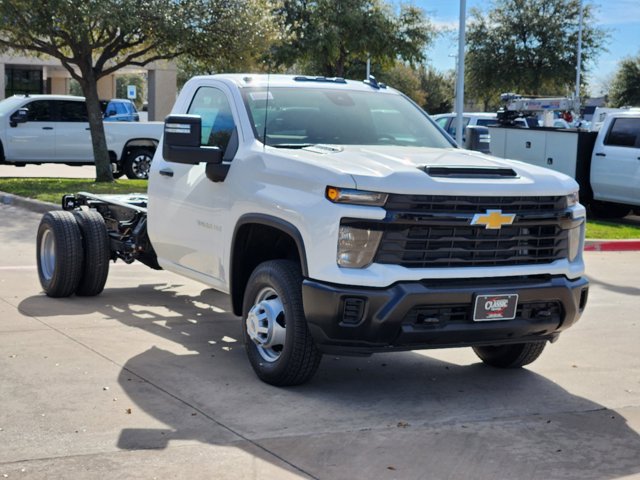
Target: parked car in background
<point>448,121</point>
<point>38,129</point>
<point>119,110</point>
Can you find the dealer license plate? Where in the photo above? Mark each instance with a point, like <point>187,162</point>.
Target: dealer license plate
<point>495,307</point>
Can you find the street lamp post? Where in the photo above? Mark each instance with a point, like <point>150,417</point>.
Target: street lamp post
<point>460,74</point>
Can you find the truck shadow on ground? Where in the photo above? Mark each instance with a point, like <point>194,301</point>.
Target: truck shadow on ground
<point>198,360</point>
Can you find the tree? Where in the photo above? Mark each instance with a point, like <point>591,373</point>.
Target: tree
<point>529,47</point>
<point>95,38</point>
<point>438,88</point>
<point>335,38</point>
<point>625,88</point>
<point>260,31</point>
<point>406,79</point>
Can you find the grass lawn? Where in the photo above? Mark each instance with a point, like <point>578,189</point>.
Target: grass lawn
<point>52,189</point>
<point>611,230</point>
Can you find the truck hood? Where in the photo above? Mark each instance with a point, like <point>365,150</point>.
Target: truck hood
<point>394,169</point>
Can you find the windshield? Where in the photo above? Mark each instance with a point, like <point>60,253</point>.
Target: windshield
<point>8,105</point>
<point>296,117</point>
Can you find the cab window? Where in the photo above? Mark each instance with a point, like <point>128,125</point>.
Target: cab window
<point>73,111</point>
<point>212,106</point>
<point>39,111</point>
<point>624,132</point>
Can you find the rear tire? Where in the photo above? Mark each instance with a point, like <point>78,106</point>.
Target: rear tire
<point>278,343</point>
<point>59,254</point>
<point>138,163</point>
<point>510,356</point>
<point>95,240</point>
<point>608,210</point>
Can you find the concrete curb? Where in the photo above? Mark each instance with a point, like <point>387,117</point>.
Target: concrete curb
<point>593,245</point>
<point>611,245</point>
<point>27,203</point>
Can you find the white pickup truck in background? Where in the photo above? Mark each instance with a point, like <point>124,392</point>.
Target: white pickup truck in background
<point>40,129</point>
<point>606,163</point>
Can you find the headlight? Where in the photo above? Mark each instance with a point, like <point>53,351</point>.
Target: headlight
<point>575,237</point>
<point>573,199</point>
<point>355,197</point>
<point>357,246</point>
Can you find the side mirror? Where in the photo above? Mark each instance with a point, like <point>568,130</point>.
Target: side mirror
<point>19,116</point>
<point>109,113</point>
<point>181,143</point>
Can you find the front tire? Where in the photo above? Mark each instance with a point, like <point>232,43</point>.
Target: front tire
<point>138,163</point>
<point>278,343</point>
<point>608,210</point>
<point>510,356</point>
<point>59,254</point>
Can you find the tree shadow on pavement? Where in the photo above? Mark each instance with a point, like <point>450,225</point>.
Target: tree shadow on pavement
<point>195,356</point>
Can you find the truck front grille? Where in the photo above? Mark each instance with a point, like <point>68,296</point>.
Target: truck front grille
<point>435,231</point>
<point>468,204</point>
<point>442,246</point>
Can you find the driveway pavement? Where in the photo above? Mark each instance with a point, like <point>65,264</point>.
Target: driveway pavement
<point>149,380</point>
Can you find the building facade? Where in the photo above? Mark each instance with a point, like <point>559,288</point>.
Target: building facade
<point>34,75</point>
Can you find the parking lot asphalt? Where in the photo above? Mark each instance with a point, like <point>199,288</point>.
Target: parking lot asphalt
<point>150,380</point>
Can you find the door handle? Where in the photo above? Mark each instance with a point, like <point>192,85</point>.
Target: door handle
<point>47,128</point>
<point>600,154</point>
<point>166,172</point>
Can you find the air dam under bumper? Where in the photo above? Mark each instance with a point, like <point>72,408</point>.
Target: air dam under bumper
<point>437,314</point>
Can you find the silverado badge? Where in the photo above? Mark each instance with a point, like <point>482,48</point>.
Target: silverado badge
<point>493,219</point>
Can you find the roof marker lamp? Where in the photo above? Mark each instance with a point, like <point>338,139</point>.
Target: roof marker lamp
<point>355,197</point>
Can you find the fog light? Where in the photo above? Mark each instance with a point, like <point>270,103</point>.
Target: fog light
<point>357,246</point>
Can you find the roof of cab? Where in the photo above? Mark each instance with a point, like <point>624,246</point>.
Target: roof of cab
<point>248,80</point>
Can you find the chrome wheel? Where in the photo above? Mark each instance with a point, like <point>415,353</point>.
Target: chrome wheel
<point>140,165</point>
<point>47,254</point>
<point>266,325</point>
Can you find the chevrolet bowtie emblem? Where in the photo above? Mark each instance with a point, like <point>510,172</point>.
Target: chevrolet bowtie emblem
<point>493,219</point>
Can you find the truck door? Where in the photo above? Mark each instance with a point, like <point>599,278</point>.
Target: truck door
<point>615,165</point>
<point>35,139</point>
<point>73,137</point>
<point>188,213</point>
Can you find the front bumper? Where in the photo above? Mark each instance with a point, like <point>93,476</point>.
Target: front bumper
<point>416,315</point>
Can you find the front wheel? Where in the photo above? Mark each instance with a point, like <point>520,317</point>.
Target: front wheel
<point>138,163</point>
<point>278,343</point>
<point>608,210</point>
<point>510,356</point>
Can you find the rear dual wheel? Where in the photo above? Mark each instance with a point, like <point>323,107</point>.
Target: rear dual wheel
<point>72,253</point>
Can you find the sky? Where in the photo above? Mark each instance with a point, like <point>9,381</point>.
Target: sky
<point>621,19</point>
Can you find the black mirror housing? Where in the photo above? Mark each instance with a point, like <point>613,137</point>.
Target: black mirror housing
<point>19,116</point>
<point>181,143</point>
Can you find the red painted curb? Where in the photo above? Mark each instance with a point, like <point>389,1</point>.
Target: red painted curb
<point>613,246</point>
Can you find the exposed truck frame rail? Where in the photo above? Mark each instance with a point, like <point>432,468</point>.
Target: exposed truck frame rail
<point>125,218</point>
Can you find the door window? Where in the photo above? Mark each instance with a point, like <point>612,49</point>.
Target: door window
<point>73,111</point>
<point>624,132</point>
<point>217,121</point>
<point>39,111</point>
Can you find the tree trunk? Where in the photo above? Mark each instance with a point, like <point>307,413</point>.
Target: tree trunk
<point>100,153</point>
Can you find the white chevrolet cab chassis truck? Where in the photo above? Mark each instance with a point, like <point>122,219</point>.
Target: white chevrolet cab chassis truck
<point>340,219</point>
